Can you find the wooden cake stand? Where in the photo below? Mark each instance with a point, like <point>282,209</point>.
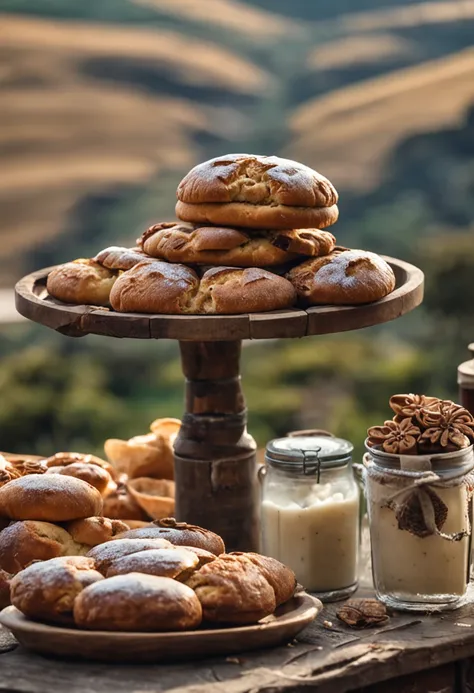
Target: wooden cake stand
<point>215,457</point>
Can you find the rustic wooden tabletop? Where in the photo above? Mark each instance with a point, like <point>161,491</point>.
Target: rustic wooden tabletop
<point>410,654</point>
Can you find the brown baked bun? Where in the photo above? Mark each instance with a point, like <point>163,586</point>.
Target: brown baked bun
<point>150,455</point>
<point>256,192</point>
<point>155,496</point>
<point>232,591</point>
<point>278,575</point>
<point>137,602</point>
<point>49,497</point>
<point>4,589</point>
<point>95,530</point>
<point>46,591</point>
<point>174,562</point>
<point>179,534</point>
<point>345,277</point>
<point>82,282</point>
<point>91,473</point>
<point>24,542</point>
<point>120,505</point>
<point>117,258</point>
<point>64,459</point>
<point>159,287</point>
<point>214,245</point>
<point>105,554</point>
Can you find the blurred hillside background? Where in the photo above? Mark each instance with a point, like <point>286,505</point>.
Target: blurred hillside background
<point>105,104</point>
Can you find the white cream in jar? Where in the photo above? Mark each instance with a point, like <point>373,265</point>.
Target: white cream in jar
<point>310,512</point>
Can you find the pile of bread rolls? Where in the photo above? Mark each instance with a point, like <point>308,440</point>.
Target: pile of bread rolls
<point>250,237</point>
<point>167,577</point>
<point>68,503</point>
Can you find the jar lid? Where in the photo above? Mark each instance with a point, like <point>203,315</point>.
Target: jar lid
<point>308,454</point>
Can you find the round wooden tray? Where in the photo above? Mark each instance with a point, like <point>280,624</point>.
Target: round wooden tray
<point>34,303</point>
<point>281,627</point>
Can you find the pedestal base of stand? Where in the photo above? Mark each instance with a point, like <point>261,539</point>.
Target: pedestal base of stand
<point>223,496</point>
<point>215,458</point>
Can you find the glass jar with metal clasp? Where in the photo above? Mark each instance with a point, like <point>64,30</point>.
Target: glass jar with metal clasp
<point>310,511</point>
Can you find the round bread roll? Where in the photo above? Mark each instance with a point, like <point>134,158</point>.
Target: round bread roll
<point>232,591</point>
<point>95,476</point>
<point>159,287</point>
<point>120,505</point>
<point>46,591</point>
<point>137,602</point>
<point>150,455</point>
<point>179,534</point>
<point>81,281</point>
<point>213,245</point>
<point>175,563</point>
<point>5,579</point>
<point>117,258</point>
<point>105,554</point>
<point>278,575</point>
<point>49,497</point>
<point>64,459</point>
<point>256,192</point>
<point>24,542</point>
<point>95,530</point>
<point>345,277</point>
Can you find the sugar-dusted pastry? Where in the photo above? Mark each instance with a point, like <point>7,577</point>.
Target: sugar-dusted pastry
<point>174,562</point>
<point>105,554</point>
<point>179,534</point>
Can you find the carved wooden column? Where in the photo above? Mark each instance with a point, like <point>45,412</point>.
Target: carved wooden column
<point>215,460</point>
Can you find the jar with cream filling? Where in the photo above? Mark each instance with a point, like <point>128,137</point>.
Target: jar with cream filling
<point>310,512</point>
<point>420,513</point>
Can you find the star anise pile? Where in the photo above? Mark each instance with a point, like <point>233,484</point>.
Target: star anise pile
<point>423,425</point>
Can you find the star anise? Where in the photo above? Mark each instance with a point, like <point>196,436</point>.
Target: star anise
<point>448,427</point>
<point>398,438</point>
<point>408,406</point>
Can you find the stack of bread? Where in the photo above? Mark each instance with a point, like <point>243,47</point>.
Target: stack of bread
<point>169,577</point>
<point>250,237</point>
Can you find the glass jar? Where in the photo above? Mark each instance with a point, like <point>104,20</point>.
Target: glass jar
<point>420,514</point>
<point>310,512</point>
<point>466,382</point>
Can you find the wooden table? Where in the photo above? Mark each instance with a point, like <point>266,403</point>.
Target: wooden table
<point>411,654</point>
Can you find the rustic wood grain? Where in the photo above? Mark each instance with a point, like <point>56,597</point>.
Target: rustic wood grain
<point>34,303</point>
<point>326,659</point>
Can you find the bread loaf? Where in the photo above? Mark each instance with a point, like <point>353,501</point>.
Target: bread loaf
<point>92,531</point>
<point>159,287</point>
<point>179,534</point>
<point>256,192</point>
<point>173,562</point>
<point>95,476</point>
<point>81,281</point>
<point>105,554</point>
<point>117,258</point>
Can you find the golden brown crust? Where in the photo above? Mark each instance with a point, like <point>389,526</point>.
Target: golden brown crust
<point>81,282</point>
<point>49,497</point>
<point>345,277</point>
<point>62,459</point>
<point>214,245</point>
<point>154,287</point>
<point>137,602</point>
<point>174,562</point>
<point>46,591</point>
<point>233,591</point>
<point>120,505</point>
<point>150,455</point>
<point>202,555</point>
<point>179,534</point>
<point>94,475</point>
<point>24,542</point>
<point>155,496</point>
<point>157,287</point>
<point>280,577</point>
<point>105,554</point>
<point>258,180</point>
<point>95,530</point>
<point>5,589</point>
<point>255,217</point>
<point>117,258</point>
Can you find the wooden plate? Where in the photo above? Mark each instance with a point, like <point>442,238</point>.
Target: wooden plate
<point>288,620</point>
<point>34,303</point>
